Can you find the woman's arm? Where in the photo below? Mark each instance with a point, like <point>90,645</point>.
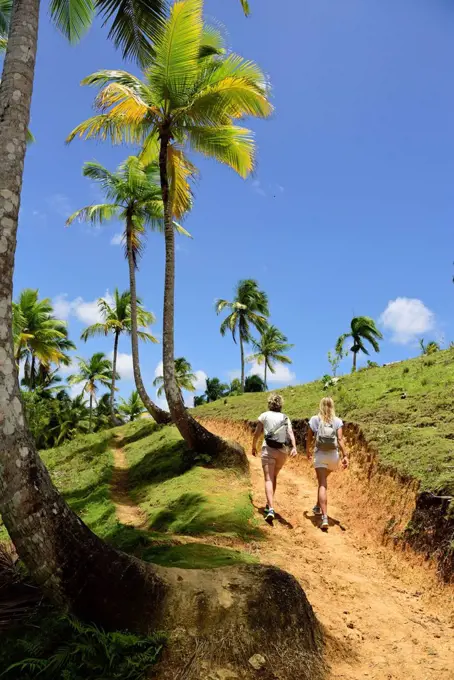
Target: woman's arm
<point>258,432</point>
<point>291,434</point>
<point>340,439</point>
<point>309,440</point>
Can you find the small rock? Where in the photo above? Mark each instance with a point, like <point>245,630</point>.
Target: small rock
<point>257,661</point>
<point>350,624</point>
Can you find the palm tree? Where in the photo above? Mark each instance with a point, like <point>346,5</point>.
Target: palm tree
<point>215,389</point>
<point>97,370</point>
<point>248,308</point>
<point>193,95</point>
<point>361,328</point>
<point>116,319</point>
<point>184,376</point>
<point>72,420</point>
<point>133,407</point>
<point>39,338</point>
<point>269,350</point>
<point>429,348</point>
<point>254,383</point>
<point>134,197</point>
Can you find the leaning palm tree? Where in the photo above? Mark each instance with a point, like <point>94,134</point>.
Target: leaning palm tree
<point>132,407</point>
<point>269,350</point>
<point>134,197</point>
<point>184,376</point>
<point>116,319</point>
<point>248,308</point>
<point>362,328</point>
<point>93,372</point>
<point>191,97</point>
<point>39,338</point>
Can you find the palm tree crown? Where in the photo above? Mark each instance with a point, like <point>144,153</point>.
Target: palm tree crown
<point>270,349</point>
<point>132,407</point>
<point>362,328</point>
<point>248,308</point>
<point>93,372</point>
<point>184,376</point>
<point>116,317</point>
<point>39,338</point>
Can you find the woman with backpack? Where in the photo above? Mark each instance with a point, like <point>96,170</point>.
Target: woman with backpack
<point>277,430</point>
<point>326,429</point>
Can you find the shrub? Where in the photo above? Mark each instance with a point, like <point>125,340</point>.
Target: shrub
<point>406,370</point>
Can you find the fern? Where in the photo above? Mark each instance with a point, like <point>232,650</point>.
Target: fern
<point>83,651</point>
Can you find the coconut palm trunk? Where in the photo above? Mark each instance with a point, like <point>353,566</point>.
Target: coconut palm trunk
<point>157,413</point>
<point>264,376</point>
<point>114,371</point>
<point>242,361</point>
<point>354,361</point>
<point>195,435</point>
<point>90,422</point>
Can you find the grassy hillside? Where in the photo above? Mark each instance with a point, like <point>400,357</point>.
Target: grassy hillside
<point>176,496</point>
<point>415,435</point>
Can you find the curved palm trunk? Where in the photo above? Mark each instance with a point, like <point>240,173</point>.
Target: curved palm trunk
<point>157,413</point>
<point>32,374</point>
<point>242,362</point>
<point>90,427</point>
<point>354,361</point>
<point>264,377</point>
<point>113,417</point>
<point>195,435</point>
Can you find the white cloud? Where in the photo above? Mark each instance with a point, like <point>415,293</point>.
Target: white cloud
<point>117,239</point>
<point>407,319</point>
<point>124,365</point>
<point>77,389</point>
<point>67,370</point>
<point>282,374</point>
<point>257,186</point>
<point>86,311</point>
<point>159,370</point>
<point>60,204</point>
<point>201,382</point>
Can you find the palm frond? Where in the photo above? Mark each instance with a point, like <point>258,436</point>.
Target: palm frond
<point>96,214</point>
<point>228,144</point>
<point>6,7</point>
<point>72,17</point>
<point>107,127</point>
<point>133,25</point>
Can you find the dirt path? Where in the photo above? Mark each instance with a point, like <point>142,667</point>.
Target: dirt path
<point>386,617</point>
<point>392,619</point>
<point>127,511</point>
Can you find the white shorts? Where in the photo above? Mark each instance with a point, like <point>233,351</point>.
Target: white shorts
<point>326,459</point>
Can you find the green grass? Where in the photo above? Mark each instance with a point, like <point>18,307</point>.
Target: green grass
<point>414,435</point>
<point>178,497</point>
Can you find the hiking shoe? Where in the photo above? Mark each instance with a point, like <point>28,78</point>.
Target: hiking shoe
<point>270,516</point>
<point>325,524</point>
<point>265,512</point>
<point>317,510</point>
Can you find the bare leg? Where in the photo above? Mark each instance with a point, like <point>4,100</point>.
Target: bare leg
<point>268,472</point>
<point>322,477</point>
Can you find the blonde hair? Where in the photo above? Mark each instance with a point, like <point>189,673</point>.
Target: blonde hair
<point>275,402</point>
<point>327,412</point>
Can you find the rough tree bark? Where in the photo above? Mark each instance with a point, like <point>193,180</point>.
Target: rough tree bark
<point>195,435</point>
<point>153,409</point>
<point>242,362</point>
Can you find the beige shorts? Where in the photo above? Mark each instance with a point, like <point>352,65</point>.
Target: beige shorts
<point>274,458</point>
<point>326,459</point>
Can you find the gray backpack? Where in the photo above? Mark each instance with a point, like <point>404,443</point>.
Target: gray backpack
<point>277,437</point>
<point>326,439</point>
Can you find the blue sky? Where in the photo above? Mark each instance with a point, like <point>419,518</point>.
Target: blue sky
<point>351,206</point>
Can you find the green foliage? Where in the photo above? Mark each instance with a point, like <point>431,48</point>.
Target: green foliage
<point>362,328</point>
<point>254,383</point>
<point>269,350</point>
<point>248,308</point>
<point>199,399</point>
<point>116,318</point>
<point>71,650</point>
<point>335,358</point>
<point>215,389</point>
<point>39,338</point>
<point>429,348</point>
<point>395,427</point>
<point>132,407</point>
<point>372,364</point>
<point>184,376</point>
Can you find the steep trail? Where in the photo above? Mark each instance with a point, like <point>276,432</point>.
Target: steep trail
<point>386,617</point>
<point>128,512</point>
